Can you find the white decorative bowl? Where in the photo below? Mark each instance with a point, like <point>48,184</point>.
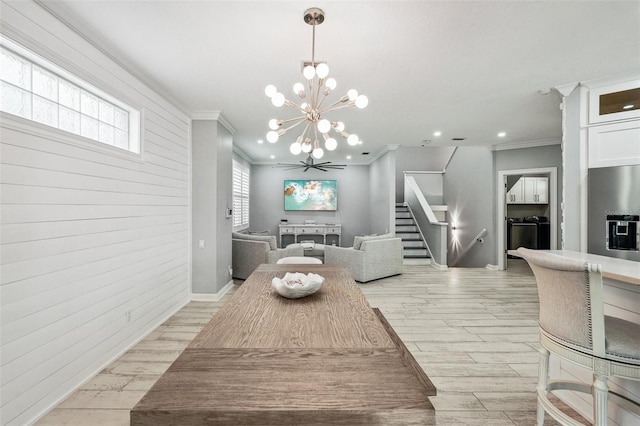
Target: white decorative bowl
<point>296,284</point>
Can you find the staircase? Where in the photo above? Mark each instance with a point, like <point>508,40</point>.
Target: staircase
<point>414,245</point>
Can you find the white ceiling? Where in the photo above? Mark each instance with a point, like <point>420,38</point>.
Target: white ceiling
<point>466,68</point>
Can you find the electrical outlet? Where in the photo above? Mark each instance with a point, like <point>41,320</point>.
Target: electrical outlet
<point>230,270</point>
<point>201,244</point>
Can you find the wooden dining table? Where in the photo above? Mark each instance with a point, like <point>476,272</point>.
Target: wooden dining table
<point>328,358</point>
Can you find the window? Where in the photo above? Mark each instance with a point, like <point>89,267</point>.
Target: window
<point>40,91</point>
<point>240,196</point>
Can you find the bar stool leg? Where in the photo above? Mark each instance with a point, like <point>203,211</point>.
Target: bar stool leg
<point>543,379</point>
<point>600,392</point>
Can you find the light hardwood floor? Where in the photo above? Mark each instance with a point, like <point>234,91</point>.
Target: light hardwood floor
<point>474,332</point>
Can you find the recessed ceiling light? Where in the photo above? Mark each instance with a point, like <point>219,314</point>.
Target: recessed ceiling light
<point>272,157</point>
<point>260,141</point>
<point>502,134</point>
<point>438,133</point>
<point>628,106</point>
<point>348,157</point>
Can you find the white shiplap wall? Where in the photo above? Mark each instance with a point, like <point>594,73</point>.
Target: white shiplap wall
<point>94,240</point>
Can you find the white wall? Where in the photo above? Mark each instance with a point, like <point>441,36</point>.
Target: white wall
<point>94,240</point>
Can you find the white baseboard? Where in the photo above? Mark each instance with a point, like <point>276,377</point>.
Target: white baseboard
<point>492,267</point>
<point>212,297</point>
<point>439,266</point>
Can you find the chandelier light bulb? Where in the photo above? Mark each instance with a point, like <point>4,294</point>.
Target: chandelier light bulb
<point>330,83</point>
<point>309,72</point>
<point>277,99</point>
<point>351,140</point>
<point>306,147</point>
<point>298,89</point>
<point>352,94</point>
<point>273,124</point>
<point>340,126</point>
<point>322,70</point>
<point>273,136</point>
<point>324,125</point>
<point>331,144</point>
<point>295,148</point>
<point>270,90</point>
<point>318,152</point>
<point>362,101</point>
<point>304,106</point>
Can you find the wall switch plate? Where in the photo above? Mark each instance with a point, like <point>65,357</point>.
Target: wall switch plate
<point>201,244</point>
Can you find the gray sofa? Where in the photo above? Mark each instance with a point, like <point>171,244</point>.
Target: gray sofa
<point>249,251</point>
<point>370,258</point>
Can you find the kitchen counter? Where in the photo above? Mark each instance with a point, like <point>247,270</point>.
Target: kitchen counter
<point>627,271</point>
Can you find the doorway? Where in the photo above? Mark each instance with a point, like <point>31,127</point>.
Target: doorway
<point>509,177</point>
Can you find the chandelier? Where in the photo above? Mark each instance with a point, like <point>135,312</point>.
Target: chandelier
<point>312,110</point>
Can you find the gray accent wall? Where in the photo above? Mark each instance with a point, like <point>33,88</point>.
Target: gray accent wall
<point>211,189</point>
<point>469,193</point>
<point>382,193</point>
<point>267,200</point>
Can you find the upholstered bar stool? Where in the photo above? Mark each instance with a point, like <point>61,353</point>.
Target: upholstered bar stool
<point>573,327</point>
<point>299,260</point>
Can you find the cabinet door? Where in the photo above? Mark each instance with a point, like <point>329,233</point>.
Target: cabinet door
<point>536,190</point>
<point>542,190</point>
<point>515,194</point>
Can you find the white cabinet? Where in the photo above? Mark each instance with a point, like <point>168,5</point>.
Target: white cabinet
<point>516,193</point>
<point>529,190</point>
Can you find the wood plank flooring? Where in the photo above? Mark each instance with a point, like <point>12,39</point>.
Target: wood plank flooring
<point>473,331</point>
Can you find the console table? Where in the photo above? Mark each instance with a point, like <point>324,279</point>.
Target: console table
<point>315,229</point>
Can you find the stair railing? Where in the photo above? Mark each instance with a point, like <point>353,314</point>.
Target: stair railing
<point>435,233</point>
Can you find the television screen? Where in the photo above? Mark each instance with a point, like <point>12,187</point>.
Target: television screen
<point>310,195</point>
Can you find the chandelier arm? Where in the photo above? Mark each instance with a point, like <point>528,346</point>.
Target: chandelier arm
<point>335,107</point>
<point>301,120</point>
<point>291,104</point>
<point>300,117</point>
<point>338,102</point>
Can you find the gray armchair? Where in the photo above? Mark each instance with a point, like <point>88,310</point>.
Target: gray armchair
<point>249,251</point>
<point>370,258</point>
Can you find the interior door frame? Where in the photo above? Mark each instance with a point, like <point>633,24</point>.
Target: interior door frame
<point>501,208</point>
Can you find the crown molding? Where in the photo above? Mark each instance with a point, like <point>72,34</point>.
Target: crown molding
<point>525,144</point>
<point>214,115</point>
<point>566,89</point>
<point>242,154</point>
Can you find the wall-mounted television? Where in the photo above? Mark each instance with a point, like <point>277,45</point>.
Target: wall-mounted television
<point>310,195</point>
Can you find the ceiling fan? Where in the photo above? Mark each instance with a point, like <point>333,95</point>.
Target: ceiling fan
<point>309,164</point>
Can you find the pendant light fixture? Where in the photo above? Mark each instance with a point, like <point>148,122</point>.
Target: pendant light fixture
<point>311,111</point>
